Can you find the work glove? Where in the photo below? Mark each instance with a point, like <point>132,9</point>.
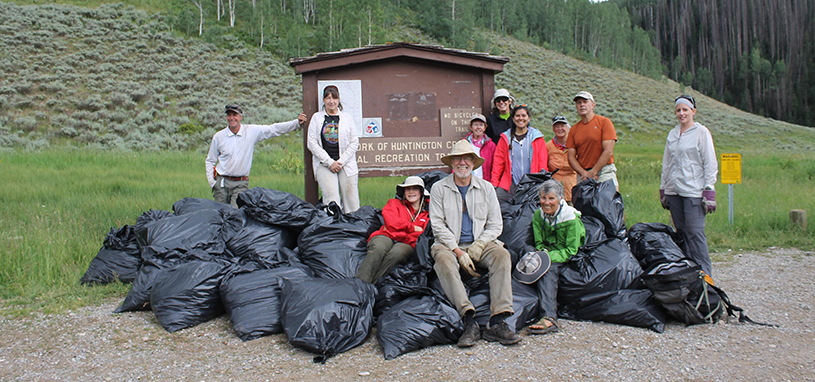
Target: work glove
<point>467,263</point>
<point>710,201</point>
<point>663,199</point>
<point>476,249</point>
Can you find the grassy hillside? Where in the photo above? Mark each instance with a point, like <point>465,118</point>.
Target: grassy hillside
<point>117,77</point>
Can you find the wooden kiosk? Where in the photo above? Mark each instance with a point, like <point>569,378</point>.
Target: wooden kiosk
<point>411,102</point>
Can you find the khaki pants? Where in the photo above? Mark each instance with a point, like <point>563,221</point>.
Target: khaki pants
<point>495,258</point>
<point>230,190</point>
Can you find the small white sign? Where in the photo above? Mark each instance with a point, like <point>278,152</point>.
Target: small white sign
<point>371,127</point>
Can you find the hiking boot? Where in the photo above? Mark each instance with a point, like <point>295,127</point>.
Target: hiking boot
<point>471,334</point>
<point>502,334</point>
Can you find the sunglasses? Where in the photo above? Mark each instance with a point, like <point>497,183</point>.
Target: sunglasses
<point>687,97</point>
<point>559,118</point>
<point>501,99</point>
<point>521,105</point>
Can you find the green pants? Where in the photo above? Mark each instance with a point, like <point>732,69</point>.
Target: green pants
<point>383,255</point>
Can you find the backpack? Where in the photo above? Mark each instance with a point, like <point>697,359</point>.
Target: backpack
<point>684,292</point>
<point>688,294</point>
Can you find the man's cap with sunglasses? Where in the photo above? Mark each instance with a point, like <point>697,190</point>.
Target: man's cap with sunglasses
<point>234,108</point>
<point>559,119</point>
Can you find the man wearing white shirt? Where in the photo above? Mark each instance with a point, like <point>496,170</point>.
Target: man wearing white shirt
<point>230,154</point>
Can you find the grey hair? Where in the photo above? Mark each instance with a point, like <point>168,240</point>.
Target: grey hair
<point>551,186</point>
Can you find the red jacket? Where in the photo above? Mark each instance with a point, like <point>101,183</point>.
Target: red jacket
<point>502,163</point>
<point>398,226</point>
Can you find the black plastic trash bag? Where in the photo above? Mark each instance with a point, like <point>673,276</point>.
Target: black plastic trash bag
<point>431,177</point>
<point>416,323</point>
<point>528,189</point>
<point>149,216</point>
<point>595,232</point>
<point>255,240</point>
<point>119,259</point>
<point>654,243</point>
<point>631,307</point>
<point>138,297</point>
<point>277,207</point>
<point>334,245</point>
<point>187,293</point>
<point>423,256</point>
<point>200,229</point>
<point>327,316</point>
<point>609,267</point>
<point>601,200</point>
<point>525,303</point>
<point>403,281</point>
<point>252,296</point>
<point>518,235</point>
<point>188,205</point>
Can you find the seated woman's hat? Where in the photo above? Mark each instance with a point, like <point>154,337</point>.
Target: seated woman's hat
<point>411,181</point>
<point>463,147</point>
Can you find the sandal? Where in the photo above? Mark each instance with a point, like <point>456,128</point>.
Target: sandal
<point>542,328</point>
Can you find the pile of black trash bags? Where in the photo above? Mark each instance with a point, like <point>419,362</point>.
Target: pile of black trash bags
<point>281,265</point>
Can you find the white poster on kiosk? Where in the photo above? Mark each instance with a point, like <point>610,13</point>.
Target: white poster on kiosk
<point>350,99</point>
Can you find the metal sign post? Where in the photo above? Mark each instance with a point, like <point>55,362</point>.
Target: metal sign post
<point>731,174</point>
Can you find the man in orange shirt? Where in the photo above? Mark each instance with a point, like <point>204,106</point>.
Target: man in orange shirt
<point>590,144</point>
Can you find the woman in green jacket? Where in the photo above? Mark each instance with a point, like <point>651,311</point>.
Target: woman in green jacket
<point>559,232</point>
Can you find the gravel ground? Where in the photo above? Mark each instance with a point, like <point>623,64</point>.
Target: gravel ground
<point>776,286</point>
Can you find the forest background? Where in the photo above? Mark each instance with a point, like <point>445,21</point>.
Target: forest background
<point>757,55</point>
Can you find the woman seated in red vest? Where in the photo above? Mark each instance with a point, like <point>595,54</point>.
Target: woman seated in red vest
<point>406,216</point>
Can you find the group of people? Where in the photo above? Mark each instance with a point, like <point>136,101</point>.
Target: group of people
<point>463,208</point>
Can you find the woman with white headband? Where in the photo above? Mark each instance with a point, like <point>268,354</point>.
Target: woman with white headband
<point>689,171</point>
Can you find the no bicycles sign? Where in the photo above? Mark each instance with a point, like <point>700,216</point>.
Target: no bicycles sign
<point>731,168</point>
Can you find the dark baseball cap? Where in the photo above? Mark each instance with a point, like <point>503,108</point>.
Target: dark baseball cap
<point>234,107</point>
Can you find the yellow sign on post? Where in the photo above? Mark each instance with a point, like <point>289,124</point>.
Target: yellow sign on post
<point>731,169</point>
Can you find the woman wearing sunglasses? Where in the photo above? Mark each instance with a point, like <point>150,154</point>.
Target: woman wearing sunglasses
<point>520,151</point>
<point>498,121</point>
<point>689,171</point>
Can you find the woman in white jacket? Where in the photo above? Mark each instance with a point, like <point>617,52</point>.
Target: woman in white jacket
<point>689,171</point>
<point>333,142</point>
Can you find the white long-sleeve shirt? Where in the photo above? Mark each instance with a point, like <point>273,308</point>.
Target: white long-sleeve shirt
<point>231,154</point>
<point>689,164</point>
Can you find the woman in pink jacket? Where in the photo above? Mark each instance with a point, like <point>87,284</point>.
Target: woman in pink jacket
<point>482,145</point>
<point>520,151</point>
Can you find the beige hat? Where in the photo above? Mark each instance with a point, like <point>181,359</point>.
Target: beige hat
<point>478,117</point>
<point>463,147</point>
<point>584,95</point>
<point>411,181</point>
<point>502,93</point>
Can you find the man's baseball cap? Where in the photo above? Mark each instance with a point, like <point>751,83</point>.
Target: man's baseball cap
<point>584,95</point>
<point>559,119</point>
<point>234,107</point>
